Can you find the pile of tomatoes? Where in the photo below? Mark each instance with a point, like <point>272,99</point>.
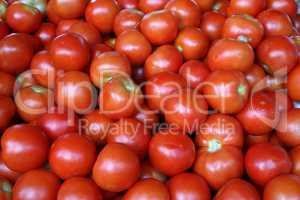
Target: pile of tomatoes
<point>149,100</point>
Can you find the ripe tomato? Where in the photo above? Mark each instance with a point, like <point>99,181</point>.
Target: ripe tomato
<point>148,117</point>
<point>295,158</point>
<point>218,164</point>
<point>238,189</point>
<point>101,14</point>
<point>79,188</point>
<point>188,186</point>
<point>132,133</point>
<point>171,152</point>
<point>157,22</point>
<point>226,91</point>
<point>64,25</point>
<point>205,5</point>
<point>293,83</point>
<point>7,111</point>
<point>147,189</point>
<point>165,58</point>
<point>69,51</point>
<point>46,33</point>
<point>192,43</point>
<point>147,6</point>
<point>19,143</point>
<point>134,45</point>
<point>80,149</point>
<point>51,14</point>
<point>149,172</point>
<point>286,185</point>
<point>126,168</point>
<point>128,4</point>
<point>98,49</point>
<point>69,9</point>
<point>287,6</point>
<point>38,184</point>
<point>273,158</point>
<point>4,29</point>
<point>5,189</point>
<point>212,25</point>
<point>7,173</point>
<point>127,19</point>
<point>108,65</point>
<point>250,7</point>
<point>255,76</point>
<point>257,139</point>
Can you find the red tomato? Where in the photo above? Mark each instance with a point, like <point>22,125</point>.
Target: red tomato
<point>287,6</point>
<point>147,189</point>
<point>7,173</point>
<point>255,77</point>
<point>205,5</point>
<point>128,4</point>
<point>69,9</point>
<point>19,143</point>
<point>147,6</point>
<point>293,83</point>
<point>273,158</point>
<point>188,186</point>
<point>149,172</point>
<point>212,25</point>
<point>98,49</point>
<point>68,151</point>
<point>148,117</point>
<point>171,152</point>
<point>46,33</point>
<point>250,7</point>
<point>38,184</point>
<point>79,188</point>
<point>7,111</point>
<point>295,158</point>
<point>117,168</point>
<point>257,139</point>
<point>51,13</point>
<point>4,30</point>
<point>64,25</point>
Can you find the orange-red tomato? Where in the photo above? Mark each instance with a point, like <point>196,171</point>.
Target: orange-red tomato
<point>250,7</point>
<point>69,9</point>
<point>293,83</point>
<point>46,33</point>
<point>7,111</point>
<point>212,24</point>
<point>147,6</point>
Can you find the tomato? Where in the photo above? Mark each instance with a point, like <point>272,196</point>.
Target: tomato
<point>226,91</point>
<point>188,186</point>
<point>244,28</point>
<point>212,25</point>
<point>69,9</point>
<point>160,86</point>
<point>205,5</point>
<point>171,152</point>
<point>221,6</point>
<point>273,158</point>
<point>148,6</point>
<point>134,45</point>
<point>33,101</point>
<point>157,22</point>
<point>192,42</point>
<point>293,83</point>
<point>147,189</point>
<point>51,13</point>
<point>258,117</point>
<point>67,152</point>
<point>287,6</point>
<point>108,65</point>
<point>95,126</point>
<point>275,23</point>
<point>250,7</point>
<point>6,84</point>
<point>194,72</point>
<point>23,18</point>
<point>257,139</point>
<point>147,116</point>
<point>5,189</point>
<point>101,14</point>
<point>46,33</point>
<point>64,25</point>
<point>79,188</point>
<point>165,58</point>
<point>255,76</point>
<point>128,4</point>
<point>87,31</point>
<point>127,19</point>
<point>218,164</point>
<point>132,133</point>
<point>283,187</point>
<point>228,54</point>
<point>25,79</point>
<point>99,49</point>
<point>286,55</point>
<point>188,12</point>
<point>4,29</point>
<point>238,189</point>
<point>19,143</point>
<point>149,172</point>
<point>7,173</point>
<point>16,51</point>
<point>58,122</point>
<point>75,91</point>
<point>38,184</point>
<point>117,168</point>
<point>69,51</point>
<point>295,158</point>
<point>119,98</point>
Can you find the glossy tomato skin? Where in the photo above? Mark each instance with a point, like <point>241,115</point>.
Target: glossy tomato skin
<point>287,6</point>
<point>295,158</point>
<point>255,76</point>
<point>250,7</point>
<point>128,4</point>
<point>69,51</point>
<point>79,188</point>
<point>29,140</point>
<point>64,25</point>
<point>99,49</point>
<point>227,54</point>
<point>157,22</point>
<point>148,189</point>
<point>212,25</point>
<point>147,116</point>
<point>274,159</point>
<point>149,172</point>
<point>165,58</point>
<point>218,166</point>
<point>38,184</point>
<point>46,33</point>
<point>258,115</point>
<point>285,185</point>
<point>222,88</point>
<point>221,6</point>
<point>16,51</point>
<point>69,9</point>
<point>275,23</point>
<point>238,189</point>
<point>7,111</point>
<point>6,172</point>
<point>187,11</point>
<point>194,72</point>
<point>126,168</point>
<point>287,55</point>
<point>83,151</point>
<point>101,14</point>
<point>188,186</point>
<point>182,148</point>
<point>147,6</point>
<point>134,45</point>
<point>257,139</point>
<point>293,83</point>
<point>192,42</point>
<point>51,14</point>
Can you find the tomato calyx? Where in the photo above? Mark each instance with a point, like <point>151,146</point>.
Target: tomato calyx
<point>128,85</point>
<point>38,89</point>
<point>214,145</point>
<point>40,5</point>
<point>3,7</point>
<point>243,38</point>
<point>136,11</point>
<point>180,49</point>
<point>242,90</point>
